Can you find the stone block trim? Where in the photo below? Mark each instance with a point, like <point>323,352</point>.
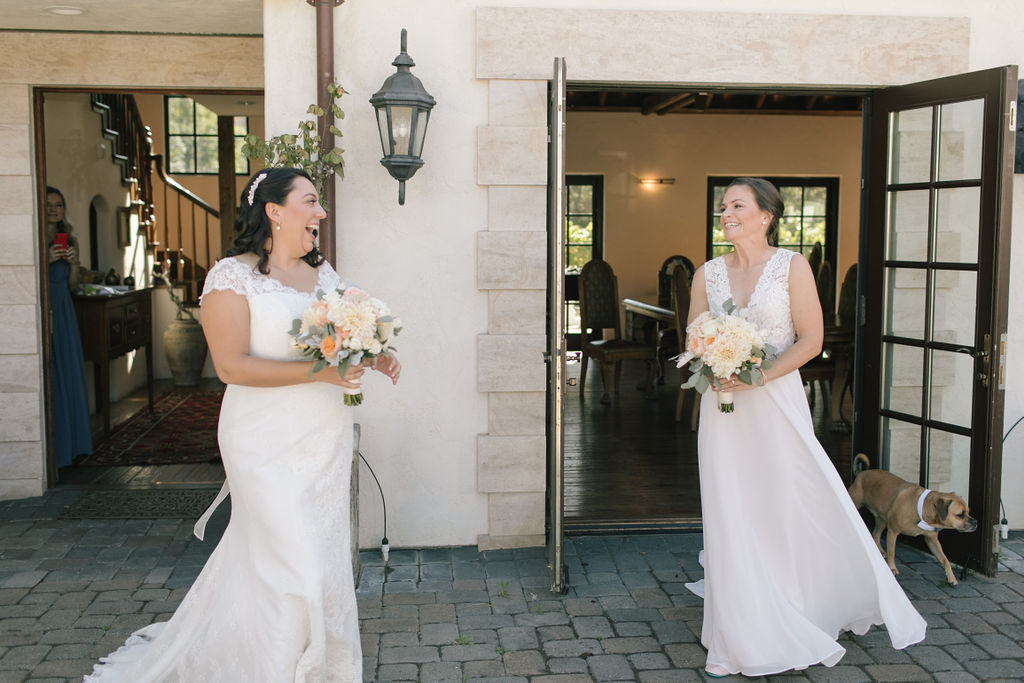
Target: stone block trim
<point>512,155</point>
<point>517,208</point>
<point>511,463</point>
<point>512,260</point>
<point>511,362</point>
<point>680,46</point>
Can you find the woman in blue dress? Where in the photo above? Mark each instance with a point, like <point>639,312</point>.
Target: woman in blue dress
<point>70,402</point>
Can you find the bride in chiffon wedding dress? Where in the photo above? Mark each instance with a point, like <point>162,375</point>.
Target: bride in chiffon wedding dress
<point>276,600</point>
<point>789,563</point>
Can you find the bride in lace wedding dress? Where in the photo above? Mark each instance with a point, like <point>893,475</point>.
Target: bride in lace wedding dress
<point>788,562</point>
<point>276,600</point>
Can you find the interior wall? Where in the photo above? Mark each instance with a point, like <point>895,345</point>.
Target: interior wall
<point>645,224</point>
<point>79,164</point>
<point>206,187</point>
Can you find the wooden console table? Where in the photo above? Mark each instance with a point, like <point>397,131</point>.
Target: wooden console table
<point>111,326</point>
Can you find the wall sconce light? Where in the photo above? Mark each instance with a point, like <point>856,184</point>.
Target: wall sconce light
<point>403,110</point>
<point>656,181</point>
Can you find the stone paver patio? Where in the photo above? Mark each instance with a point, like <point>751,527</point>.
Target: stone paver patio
<point>71,591</point>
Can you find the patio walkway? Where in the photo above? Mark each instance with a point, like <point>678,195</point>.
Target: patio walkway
<point>71,591</point>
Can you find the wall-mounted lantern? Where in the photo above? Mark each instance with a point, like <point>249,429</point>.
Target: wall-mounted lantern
<point>403,110</point>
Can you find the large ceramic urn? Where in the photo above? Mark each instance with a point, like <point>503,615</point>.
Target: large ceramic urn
<point>185,346</point>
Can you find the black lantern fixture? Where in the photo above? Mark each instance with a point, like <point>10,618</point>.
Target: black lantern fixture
<point>403,109</point>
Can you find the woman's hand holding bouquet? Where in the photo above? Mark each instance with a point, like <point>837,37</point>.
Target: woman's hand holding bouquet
<point>346,327</point>
<point>719,347</point>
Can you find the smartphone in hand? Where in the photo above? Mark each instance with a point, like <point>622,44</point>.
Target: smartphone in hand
<point>61,240</point>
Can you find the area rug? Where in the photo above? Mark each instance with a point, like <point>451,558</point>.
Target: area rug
<point>178,503</point>
<point>181,429</point>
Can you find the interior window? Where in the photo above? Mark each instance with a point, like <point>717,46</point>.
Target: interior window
<point>192,138</point>
<point>584,211</point>
<point>811,215</point>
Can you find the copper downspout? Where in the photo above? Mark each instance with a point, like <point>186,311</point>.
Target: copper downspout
<point>324,77</point>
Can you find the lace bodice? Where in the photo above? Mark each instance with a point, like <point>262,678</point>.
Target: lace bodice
<point>272,305</point>
<point>234,275</point>
<point>768,307</point>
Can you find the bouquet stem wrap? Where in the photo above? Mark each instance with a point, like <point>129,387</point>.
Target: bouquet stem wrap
<point>720,347</point>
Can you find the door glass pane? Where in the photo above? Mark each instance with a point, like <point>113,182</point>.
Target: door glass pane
<point>952,387</point>
<point>910,153</point>
<point>908,225</point>
<point>901,449</point>
<point>949,463</point>
<point>960,128</point>
<point>905,293</point>
<point>956,224</point>
<point>953,306</point>
<point>902,389</point>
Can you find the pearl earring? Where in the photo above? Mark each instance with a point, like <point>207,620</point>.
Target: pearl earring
<point>277,227</point>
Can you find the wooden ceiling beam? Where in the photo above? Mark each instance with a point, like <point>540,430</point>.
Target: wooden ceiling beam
<point>659,105</point>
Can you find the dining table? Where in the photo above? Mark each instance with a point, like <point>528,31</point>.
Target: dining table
<point>644,319</point>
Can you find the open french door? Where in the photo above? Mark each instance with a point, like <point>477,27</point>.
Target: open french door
<point>555,356</point>
<point>935,255</point>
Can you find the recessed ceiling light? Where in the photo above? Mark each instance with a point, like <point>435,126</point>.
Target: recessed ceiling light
<point>65,10</point>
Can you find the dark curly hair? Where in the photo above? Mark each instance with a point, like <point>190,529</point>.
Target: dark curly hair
<point>768,199</point>
<point>252,227</point>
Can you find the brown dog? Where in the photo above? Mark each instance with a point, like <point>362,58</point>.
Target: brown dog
<point>897,509</point>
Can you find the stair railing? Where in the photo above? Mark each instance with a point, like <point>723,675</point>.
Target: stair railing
<point>189,230</point>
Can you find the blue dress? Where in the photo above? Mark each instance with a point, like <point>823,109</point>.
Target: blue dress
<point>70,400</point>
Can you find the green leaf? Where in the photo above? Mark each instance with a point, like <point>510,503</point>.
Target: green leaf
<point>744,376</point>
<point>729,306</point>
<point>319,365</point>
<point>702,384</point>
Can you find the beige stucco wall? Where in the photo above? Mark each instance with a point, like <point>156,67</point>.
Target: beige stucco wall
<point>459,260</point>
<point>468,228</point>
<point>646,224</point>
<point>69,59</point>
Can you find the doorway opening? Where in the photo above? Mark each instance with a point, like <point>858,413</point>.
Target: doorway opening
<point>112,155</point>
<point>661,155</point>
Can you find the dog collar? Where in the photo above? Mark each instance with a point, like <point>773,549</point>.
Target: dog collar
<point>920,511</point>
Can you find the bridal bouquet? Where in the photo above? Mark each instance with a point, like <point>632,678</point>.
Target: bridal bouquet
<point>718,347</point>
<point>342,328</point>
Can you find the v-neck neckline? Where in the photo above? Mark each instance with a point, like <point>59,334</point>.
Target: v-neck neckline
<point>757,285</point>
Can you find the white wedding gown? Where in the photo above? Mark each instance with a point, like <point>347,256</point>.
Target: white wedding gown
<point>276,601</point>
<point>789,563</point>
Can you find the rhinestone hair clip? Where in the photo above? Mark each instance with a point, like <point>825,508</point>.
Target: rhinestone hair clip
<point>255,184</point>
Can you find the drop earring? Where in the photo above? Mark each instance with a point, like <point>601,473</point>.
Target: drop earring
<point>277,227</point>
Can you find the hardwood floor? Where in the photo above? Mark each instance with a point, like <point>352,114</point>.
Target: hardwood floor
<point>630,465</point>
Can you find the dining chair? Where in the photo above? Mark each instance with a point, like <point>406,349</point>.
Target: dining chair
<point>822,369</point>
<point>599,311</point>
<point>668,341</point>
<point>681,308</point>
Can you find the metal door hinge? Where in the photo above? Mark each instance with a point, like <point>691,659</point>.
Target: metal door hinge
<point>1002,361</point>
<point>986,360</point>
<point>1013,115</point>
